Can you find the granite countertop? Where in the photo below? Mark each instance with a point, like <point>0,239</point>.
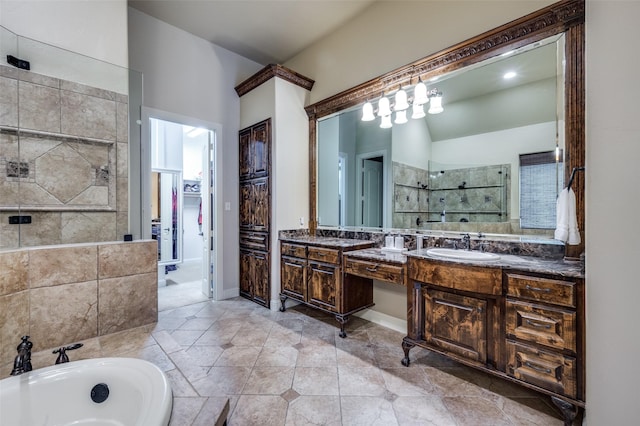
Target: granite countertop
<point>573,269</point>
<point>377,255</point>
<point>332,242</point>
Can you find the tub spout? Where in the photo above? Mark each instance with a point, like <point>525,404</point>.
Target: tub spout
<point>22,362</point>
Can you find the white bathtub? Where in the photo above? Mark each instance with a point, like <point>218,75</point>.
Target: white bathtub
<point>138,394</point>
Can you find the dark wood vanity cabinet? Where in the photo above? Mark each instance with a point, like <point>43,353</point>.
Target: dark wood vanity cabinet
<point>523,326</point>
<point>313,275</point>
<point>255,212</point>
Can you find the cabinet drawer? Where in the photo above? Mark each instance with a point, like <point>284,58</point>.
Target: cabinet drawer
<point>324,255</point>
<point>465,278</point>
<point>549,370</point>
<point>378,271</point>
<point>541,325</point>
<point>254,240</point>
<point>293,277</point>
<point>293,250</point>
<point>542,289</point>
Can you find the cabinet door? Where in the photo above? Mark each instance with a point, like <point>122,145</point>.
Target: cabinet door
<point>245,154</point>
<point>261,287</point>
<point>260,146</point>
<point>293,276</point>
<point>456,323</point>
<point>324,281</point>
<point>260,212</point>
<point>246,273</point>
<point>246,205</point>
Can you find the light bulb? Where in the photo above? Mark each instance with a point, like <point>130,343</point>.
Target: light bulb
<point>385,122</point>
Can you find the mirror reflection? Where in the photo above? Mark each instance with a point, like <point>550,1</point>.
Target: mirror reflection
<point>487,157</point>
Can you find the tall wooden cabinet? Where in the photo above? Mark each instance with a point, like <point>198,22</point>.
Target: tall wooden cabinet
<point>255,212</point>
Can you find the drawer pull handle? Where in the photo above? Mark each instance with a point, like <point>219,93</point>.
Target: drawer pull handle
<point>537,368</point>
<point>535,324</point>
<point>321,254</point>
<point>373,268</point>
<point>543,290</point>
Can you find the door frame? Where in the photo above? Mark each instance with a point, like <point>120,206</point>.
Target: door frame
<point>217,209</point>
<point>384,153</point>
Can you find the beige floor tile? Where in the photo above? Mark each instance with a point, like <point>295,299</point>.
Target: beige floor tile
<point>239,356</point>
<point>284,356</point>
<point>316,381</point>
<point>422,410</point>
<point>222,381</point>
<point>269,381</point>
<point>259,410</point>
<point>367,411</point>
<point>314,410</point>
<point>366,381</point>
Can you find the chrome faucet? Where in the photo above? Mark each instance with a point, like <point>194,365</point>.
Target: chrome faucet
<point>466,241</point>
<point>22,363</point>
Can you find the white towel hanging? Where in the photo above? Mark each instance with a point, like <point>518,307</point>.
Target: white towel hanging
<point>566,220</point>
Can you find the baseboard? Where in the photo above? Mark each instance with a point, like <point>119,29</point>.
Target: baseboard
<point>384,320</point>
<point>230,293</point>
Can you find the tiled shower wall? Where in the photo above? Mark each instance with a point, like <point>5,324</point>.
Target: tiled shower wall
<point>63,161</point>
<point>466,195</point>
<point>64,294</point>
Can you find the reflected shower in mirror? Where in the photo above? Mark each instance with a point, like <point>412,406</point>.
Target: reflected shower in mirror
<point>459,169</point>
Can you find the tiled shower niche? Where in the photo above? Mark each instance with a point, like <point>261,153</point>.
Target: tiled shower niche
<point>63,161</point>
<point>469,194</point>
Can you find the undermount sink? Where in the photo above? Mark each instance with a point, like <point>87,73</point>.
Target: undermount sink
<point>462,254</point>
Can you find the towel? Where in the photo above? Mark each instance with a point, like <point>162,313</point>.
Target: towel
<point>566,220</point>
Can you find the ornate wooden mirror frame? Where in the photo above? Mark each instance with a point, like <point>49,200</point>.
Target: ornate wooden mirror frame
<point>566,16</point>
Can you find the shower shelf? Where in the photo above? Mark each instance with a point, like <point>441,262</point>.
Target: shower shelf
<point>60,136</point>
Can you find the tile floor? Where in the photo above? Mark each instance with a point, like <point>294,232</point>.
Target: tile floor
<point>291,368</point>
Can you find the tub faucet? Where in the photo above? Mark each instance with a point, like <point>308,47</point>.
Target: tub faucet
<point>22,363</point>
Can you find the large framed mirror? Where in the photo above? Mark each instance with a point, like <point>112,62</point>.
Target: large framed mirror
<point>491,157</point>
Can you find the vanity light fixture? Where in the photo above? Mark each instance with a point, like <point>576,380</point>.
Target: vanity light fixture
<point>509,75</point>
<point>420,96</point>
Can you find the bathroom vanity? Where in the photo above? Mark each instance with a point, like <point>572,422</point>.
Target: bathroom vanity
<point>311,270</point>
<point>519,318</point>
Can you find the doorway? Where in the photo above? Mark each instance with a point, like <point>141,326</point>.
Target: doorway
<point>371,180</point>
<point>180,165</point>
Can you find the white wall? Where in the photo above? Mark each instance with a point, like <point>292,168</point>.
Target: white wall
<point>613,203</point>
<point>96,28</point>
<point>390,34</point>
<point>189,76</point>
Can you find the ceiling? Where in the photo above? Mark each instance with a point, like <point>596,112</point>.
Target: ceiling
<point>265,31</point>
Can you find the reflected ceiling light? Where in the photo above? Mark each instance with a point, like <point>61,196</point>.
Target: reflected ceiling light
<point>418,111</point>
<point>401,103</point>
<point>508,53</point>
<point>367,112</point>
<point>420,96</point>
<point>385,122</point>
<point>401,117</point>
<point>436,103</point>
<point>384,108</point>
<point>509,75</point>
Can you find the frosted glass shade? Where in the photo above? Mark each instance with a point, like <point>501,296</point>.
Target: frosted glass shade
<point>383,107</point>
<point>418,111</point>
<point>367,112</point>
<point>401,117</point>
<point>385,122</point>
<point>436,105</point>
<point>420,96</point>
<point>401,101</point>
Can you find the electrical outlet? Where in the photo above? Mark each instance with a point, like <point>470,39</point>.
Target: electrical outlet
<point>301,221</point>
